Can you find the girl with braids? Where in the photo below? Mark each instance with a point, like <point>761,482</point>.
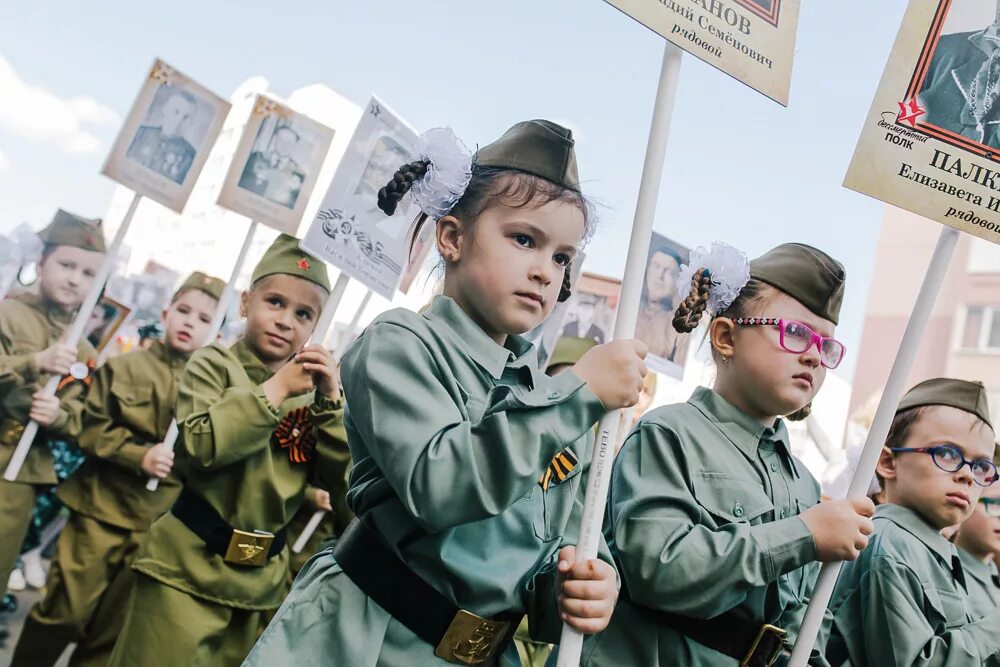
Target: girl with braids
<point>467,459</point>
<point>716,529</point>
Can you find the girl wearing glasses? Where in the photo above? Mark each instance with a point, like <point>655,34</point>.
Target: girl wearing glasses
<point>716,529</point>
<point>906,600</point>
<point>978,541</point>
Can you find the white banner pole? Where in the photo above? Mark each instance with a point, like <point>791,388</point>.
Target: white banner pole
<point>228,294</point>
<point>895,386</point>
<point>73,336</point>
<point>571,644</point>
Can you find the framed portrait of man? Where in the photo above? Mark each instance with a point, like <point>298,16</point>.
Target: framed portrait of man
<point>654,322</point>
<point>276,164</point>
<point>166,137</point>
<point>931,141</point>
<point>105,320</point>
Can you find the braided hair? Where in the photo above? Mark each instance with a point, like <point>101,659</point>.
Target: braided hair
<point>801,413</point>
<point>482,188</point>
<point>688,313</point>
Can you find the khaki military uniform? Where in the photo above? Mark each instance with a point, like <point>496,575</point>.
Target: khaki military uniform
<point>128,409</point>
<point>192,606</point>
<point>28,325</point>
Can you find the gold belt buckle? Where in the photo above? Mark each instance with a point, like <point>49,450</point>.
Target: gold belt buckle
<point>246,548</point>
<point>764,631</point>
<point>471,639</point>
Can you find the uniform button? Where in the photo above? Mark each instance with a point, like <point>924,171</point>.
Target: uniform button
<point>782,515</point>
<point>738,510</point>
<point>553,395</point>
<point>774,467</point>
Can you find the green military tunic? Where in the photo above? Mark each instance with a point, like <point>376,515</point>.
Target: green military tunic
<point>28,325</point>
<point>983,583</point>
<point>904,602</point>
<point>190,605</point>
<point>450,434</point>
<point>703,519</point>
<point>128,409</point>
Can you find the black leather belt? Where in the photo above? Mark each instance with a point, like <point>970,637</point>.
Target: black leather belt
<point>730,634</point>
<point>238,547</point>
<point>459,636</point>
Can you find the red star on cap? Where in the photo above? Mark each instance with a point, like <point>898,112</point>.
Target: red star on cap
<point>90,241</point>
<point>303,264</point>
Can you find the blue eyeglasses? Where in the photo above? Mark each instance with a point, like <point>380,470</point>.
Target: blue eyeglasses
<point>950,459</point>
<point>991,505</point>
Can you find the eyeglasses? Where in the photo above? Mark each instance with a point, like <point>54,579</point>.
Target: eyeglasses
<point>796,337</point>
<point>950,459</point>
<point>991,505</point>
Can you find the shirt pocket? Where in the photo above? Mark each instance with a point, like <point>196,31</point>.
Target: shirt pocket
<point>553,507</point>
<point>729,498</point>
<point>949,605</point>
<point>135,403</point>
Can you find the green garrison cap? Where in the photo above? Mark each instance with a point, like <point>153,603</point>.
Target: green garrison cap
<point>285,256</point>
<point>569,350</point>
<point>806,274</point>
<point>210,285</point>
<point>961,394</point>
<point>538,147</point>
<point>75,231</point>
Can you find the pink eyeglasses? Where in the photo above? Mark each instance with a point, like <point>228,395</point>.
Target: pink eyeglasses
<point>796,337</point>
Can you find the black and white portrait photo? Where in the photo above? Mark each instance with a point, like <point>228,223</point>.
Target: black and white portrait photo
<point>172,132</point>
<point>961,89</point>
<point>276,169</point>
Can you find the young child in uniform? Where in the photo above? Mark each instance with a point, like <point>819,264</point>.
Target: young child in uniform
<point>906,600</point>
<point>256,424</point>
<point>715,526</point>
<point>128,409</point>
<point>452,428</point>
<point>31,327</point>
<point>978,542</point>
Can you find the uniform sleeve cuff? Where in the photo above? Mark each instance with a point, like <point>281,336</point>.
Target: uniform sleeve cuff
<point>786,544</point>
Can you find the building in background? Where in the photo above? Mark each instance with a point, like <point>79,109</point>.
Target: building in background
<point>963,336</point>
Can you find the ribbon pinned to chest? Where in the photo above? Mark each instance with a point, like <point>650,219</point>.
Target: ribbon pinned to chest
<point>79,372</point>
<point>560,468</point>
<point>297,434</point>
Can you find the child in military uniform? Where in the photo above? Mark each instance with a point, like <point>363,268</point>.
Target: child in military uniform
<point>452,427</point>
<point>905,601</point>
<point>257,421</point>
<point>716,528</point>
<point>128,410</point>
<point>978,542</point>
<point>31,327</point>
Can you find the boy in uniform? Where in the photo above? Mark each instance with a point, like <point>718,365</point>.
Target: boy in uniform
<point>128,410</point>
<point>905,600</point>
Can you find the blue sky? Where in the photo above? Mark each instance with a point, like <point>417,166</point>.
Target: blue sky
<point>740,168</point>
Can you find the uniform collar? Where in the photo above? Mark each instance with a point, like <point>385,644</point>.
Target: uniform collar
<point>983,572</point>
<point>743,430</point>
<point>448,317</point>
<point>55,314</point>
<point>914,524</point>
<point>251,363</point>
<point>173,359</point>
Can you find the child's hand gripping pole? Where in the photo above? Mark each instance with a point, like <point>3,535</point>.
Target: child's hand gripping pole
<point>613,424</point>
<point>228,294</point>
<point>331,306</point>
<point>894,388</point>
<point>74,335</point>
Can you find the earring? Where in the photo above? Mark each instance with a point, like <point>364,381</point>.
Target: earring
<point>725,359</point>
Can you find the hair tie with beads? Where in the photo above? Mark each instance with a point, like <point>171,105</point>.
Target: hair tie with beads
<point>710,281</point>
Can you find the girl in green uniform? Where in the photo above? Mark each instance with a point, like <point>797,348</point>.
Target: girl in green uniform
<point>453,429</point>
<point>714,525</point>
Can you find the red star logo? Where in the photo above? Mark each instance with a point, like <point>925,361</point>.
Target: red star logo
<point>910,112</point>
<point>90,241</point>
<point>303,264</point>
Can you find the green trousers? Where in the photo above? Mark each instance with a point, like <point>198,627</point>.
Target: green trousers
<point>86,594</point>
